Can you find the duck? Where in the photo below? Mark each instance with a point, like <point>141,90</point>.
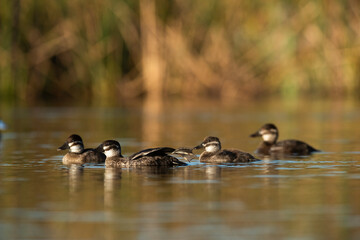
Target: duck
<point>270,134</point>
<point>159,156</point>
<point>214,154</point>
<point>77,154</point>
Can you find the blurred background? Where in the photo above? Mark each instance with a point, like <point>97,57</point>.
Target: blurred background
<point>106,51</point>
<point>154,73</point>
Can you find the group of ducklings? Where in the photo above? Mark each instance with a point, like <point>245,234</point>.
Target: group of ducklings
<point>110,151</point>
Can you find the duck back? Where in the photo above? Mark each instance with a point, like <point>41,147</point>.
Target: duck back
<point>87,156</point>
<point>293,147</point>
<point>227,156</point>
<point>165,160</point>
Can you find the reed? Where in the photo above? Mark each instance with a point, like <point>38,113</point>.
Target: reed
<point>108,50</point>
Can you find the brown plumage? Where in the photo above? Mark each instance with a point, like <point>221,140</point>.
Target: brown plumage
<point>77,154</point>
<point>148,157</point>
<point>214,153</point>
<point>270,145</point>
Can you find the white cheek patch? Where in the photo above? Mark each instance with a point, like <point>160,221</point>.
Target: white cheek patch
<point>269,137</point>
<point>76,148</point>
<point>111,153</point>
<point>212,148</point>
<point>262,131</point>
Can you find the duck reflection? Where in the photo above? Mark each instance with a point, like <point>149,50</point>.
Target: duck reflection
<point>213,172</point>
<point>213,175</point>
<point>152,170</point>
<point>112,178</point>
<point>76,172</point>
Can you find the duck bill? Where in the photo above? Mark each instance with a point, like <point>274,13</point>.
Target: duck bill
<point>199,146</point>
<point>63,147</point>
<point>256,134</point>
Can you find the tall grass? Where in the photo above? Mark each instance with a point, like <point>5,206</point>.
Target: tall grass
<point>106,50</point>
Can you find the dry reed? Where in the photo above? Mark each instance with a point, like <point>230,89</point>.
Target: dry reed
<point>103,50</point>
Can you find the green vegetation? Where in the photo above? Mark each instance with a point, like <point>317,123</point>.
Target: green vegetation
<point>101,50</point>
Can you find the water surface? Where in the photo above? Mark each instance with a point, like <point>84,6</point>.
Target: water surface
<point>314,197</point>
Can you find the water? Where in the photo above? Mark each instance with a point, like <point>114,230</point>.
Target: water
<point>300,198</point>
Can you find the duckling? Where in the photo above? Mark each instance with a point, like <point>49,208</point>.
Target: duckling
<point>147,157</point>
<point>77,154</point>
<point>269,145</point>
<point>214,153</point>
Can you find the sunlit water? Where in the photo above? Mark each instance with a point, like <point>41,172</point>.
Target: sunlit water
<point>316,197</point>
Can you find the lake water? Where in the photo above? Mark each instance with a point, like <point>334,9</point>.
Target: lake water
<point>316,197</point>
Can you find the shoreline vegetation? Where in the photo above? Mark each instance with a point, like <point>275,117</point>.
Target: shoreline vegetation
<point>109,50</point>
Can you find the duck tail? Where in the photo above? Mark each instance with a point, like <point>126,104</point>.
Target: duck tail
<point>312,149</point>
